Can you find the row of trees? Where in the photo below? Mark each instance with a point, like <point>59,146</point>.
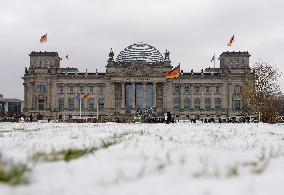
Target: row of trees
<point>259,93</point>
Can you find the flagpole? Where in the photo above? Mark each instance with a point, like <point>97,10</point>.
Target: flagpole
<point>179,92</point>
<point>98,110</point>
<point>214,60</point>
<point>80,106</point>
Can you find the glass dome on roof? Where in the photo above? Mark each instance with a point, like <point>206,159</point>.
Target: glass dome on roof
<point>141,52</point>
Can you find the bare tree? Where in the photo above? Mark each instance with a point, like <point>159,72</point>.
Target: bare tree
<point>258,97</point>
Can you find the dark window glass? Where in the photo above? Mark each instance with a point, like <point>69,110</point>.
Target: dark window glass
<point>41,104</point>
<point>186,88</point>
<point>218,89</point>
<point>101,104</point>
<point>81,89</point>
<point>237,89</point>
<point>186,104</point>
<point>128,97</point>
<point>71,103</point>
<point>61,104</point>
<point>217,104</point>
<point>91,105</point>
<point>176,103</point>
<point>91,90</point>
<point>41,89</point>
<point>237,105</point>
<point>207,89</point>
<point>197,89</point>
<point>13,107</point>
<point>176,88</point>
<point>207,104</point>
<point>197,104</point>
<point>60,89</point>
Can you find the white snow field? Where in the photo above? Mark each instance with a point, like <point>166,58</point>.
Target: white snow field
<point>142,159</point>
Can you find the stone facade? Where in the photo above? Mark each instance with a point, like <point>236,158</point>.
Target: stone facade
<point>136,83</point>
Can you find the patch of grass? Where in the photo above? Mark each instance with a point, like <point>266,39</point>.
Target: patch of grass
<point>232,171</point>
<point>13,174</point>
<point>18,128</point>
<point>66,155</point>
<point>72,154</point>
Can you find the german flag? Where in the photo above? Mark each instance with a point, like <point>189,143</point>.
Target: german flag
<point>43,39</point>
<point>232,39</point>
<point>175,73</point>
<point>87,96</point>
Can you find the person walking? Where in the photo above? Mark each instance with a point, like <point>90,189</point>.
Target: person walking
<point>169,117</point>
<point>31,118</point>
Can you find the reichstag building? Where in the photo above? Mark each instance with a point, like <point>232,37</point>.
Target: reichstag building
<point>134,80</point>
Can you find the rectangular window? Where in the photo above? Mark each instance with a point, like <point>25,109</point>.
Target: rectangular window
<point>91,90</point>
<point>101,104</point>
<point>71,104</point>
<point>60,89</point>
<point>207,89</point>
<point>186,104</point>
<point>41,89</point>
<point>197,104</point>
<point>207,104</point>
<point>40,104</point>
<point>218,89</point>
<point>237,105</point>
<point>237,89</point>
<point>217,104</point>
<point>81,89</point>
<point>71,89</point>
<point>197,89</point>
<point>128,97</point>
<point>176,88</point>
<point>91,106</point>
<point>176,103</point>
<point>186,88</point>
<point>61,104</point>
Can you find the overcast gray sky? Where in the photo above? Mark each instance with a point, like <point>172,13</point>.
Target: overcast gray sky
<point>86,30</point>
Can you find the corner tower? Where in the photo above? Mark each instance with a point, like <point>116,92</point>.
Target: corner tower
<point>39,83</point>
<point>234,60</point>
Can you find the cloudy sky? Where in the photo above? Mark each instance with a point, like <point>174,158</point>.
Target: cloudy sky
<point>86,30</point>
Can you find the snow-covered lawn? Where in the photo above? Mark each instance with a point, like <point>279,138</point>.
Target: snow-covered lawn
<point>140,159</point>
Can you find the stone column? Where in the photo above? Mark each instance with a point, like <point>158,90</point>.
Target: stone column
<point>32,92</point>
<point>25,95</point>
<point>202,98</point>
<point>154,94</point>
<point>229,98</point>
<point>144,95</point>
<point>224,105</point>
<point>66,95</point>
<point>167,96</point>
<point>212,102</point>
<point>192,88</point>
<point>123,96</point>
<point>181,97</point>
<point>133,96</point>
